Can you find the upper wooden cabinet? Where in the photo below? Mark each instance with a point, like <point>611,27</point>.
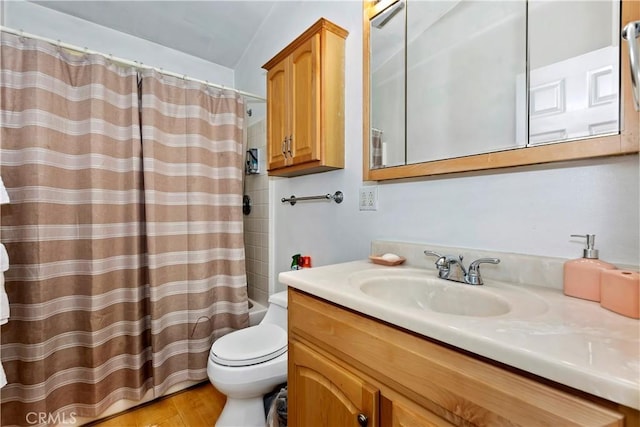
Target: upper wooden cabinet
<point>305,103</point>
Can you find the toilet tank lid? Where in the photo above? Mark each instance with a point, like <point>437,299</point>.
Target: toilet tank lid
<point>279,298</point>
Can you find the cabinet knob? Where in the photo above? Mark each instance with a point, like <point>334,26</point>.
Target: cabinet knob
<point>362,420</point>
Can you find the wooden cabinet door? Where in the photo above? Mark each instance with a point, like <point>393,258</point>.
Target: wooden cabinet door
<point>277,111</point>
<point>305,101</point>
<point>323,394</point>
<point>401,412</point>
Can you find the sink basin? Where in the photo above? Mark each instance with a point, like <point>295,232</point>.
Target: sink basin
<point>437,296</point>
<point>422,290</point>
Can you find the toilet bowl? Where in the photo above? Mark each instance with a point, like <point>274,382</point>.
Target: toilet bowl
<point>247,364</point>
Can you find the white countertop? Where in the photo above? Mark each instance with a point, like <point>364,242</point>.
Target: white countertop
<point>572,341</point>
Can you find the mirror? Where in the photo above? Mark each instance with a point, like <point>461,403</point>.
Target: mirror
<point>388,82</point>
<point>574,72</point>
<point>463,63</point>
<point>465,85</point>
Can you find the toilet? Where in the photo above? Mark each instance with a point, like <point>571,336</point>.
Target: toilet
<point>248,363</point>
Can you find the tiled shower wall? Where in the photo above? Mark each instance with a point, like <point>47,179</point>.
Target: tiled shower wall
<point>256,224</point>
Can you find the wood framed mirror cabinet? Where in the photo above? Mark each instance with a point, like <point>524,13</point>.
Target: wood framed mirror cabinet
<point>497,100</point>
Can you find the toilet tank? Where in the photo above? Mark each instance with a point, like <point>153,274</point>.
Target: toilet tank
<point>277,311</point>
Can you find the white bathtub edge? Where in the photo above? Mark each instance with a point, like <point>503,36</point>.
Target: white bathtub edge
<point>256,313</point>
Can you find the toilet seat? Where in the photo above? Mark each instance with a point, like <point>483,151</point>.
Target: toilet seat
<point>249,346</point>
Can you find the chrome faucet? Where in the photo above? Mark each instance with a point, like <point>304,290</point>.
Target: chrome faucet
<point>451,268</point>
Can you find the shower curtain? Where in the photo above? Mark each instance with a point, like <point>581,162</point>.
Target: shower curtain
<point>124,231</point>
<point>192,150</point>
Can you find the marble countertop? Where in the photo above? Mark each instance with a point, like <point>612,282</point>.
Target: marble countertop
<point>571,341</point>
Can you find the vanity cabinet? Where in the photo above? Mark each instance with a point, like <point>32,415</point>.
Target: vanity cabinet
<point>343,364</point>
<point>324,393</point>
<point>305,103</point>
<point>401,412</point>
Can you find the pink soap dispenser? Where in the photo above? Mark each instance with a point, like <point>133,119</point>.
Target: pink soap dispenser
<point>582,275</point>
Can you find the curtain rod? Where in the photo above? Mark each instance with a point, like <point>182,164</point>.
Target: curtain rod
<point>135,64</point>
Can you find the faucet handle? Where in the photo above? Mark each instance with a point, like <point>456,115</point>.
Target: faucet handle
<point>476,264</point>
<point>442,265</point>
<point>441,262</point>
<point>432,253</point>
<point>473,277</point>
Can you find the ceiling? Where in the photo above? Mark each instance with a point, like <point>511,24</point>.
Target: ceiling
<point>218,31</point>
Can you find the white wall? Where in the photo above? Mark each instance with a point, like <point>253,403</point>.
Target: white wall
<point>41,21</point>
<point>326,231</point>
<point>530,210</point>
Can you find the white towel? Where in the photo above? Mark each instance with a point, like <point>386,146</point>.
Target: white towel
<point>4,197</point>
<point>4,302</point>
<point>3,377</point>
<point>4,259</point>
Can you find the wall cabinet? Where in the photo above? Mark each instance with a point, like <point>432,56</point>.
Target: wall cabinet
<point>305,103</point>
<point>343,364</point>
<point>518,86</point>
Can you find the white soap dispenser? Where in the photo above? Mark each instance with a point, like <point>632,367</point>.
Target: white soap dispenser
<point>582,275</point>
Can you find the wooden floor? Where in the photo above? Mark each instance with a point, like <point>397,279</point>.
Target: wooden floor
<point>198,406</point>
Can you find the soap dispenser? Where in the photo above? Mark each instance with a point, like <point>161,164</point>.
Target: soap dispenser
<point>582,275</point>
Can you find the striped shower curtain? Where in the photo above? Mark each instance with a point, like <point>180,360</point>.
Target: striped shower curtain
<point>193,159</point>
<point>124,251</point>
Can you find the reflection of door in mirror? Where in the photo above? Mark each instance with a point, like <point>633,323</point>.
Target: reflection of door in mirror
<point>463,60</point>
<point>388,87</point>
<point>573,76</point>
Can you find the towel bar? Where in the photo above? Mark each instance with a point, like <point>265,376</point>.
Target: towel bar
<point>337,197</point>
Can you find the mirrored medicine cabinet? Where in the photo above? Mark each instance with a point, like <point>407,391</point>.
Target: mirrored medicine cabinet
<point>454,85</point>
